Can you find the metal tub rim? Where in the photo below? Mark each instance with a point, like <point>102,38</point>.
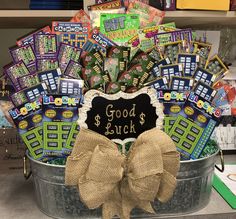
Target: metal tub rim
<point>63,166</point>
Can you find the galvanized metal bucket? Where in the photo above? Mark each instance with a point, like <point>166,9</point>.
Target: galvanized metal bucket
<point>194,185</point>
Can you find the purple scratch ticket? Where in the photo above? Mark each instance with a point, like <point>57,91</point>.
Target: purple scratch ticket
<point>18,98</point>
<point>45,45</point>
<point>29,40</point>
<point>14,71</point>
<point>184,35</point>
<point>29,80</point>
<point>25,54</point>
<point>46,64</point>
<point>67,53</point>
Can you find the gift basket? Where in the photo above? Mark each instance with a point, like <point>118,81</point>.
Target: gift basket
<point>116,110</point>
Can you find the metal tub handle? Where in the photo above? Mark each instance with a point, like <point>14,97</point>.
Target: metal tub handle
<point>221,161</point>
<point>27,173</point>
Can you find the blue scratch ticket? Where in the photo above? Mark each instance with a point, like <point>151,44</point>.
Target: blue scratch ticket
<point>60,113</point>
<point>70,87</point>
<point>156,69</point>
<point>181,83</point>
<point>194,126</point>
<point>36,92</point>
<point>204,76</point>
<point>204,91</point>
<point>51,78</point>
<point>158,83</point>
<point>171,70</point>
<point>220,100</point>
<point>190,63</point>
<point>173,102</point>
<point>97,41</point>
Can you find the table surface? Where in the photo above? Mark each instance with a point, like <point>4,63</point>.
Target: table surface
<point>17,200</point>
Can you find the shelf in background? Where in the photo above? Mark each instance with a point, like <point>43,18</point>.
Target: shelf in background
<point>39,18</point>
<point>204,18</point>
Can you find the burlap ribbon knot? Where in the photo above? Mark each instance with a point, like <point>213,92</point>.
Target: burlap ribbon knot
<point>119,183</point>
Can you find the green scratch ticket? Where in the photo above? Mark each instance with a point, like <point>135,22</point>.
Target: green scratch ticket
<point>119,27</point>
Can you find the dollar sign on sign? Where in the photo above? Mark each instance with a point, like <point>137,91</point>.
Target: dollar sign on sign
<point>97,119</point>
<point>142,120</point>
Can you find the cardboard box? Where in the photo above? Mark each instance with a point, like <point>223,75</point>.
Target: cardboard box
<point>233,5</point>
<point>220,5</point>
<point>12,150</point>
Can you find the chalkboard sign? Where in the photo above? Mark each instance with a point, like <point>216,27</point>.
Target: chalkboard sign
<point>121,117</point>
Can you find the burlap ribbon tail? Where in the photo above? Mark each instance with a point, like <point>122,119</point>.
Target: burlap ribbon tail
<point>120,183</point>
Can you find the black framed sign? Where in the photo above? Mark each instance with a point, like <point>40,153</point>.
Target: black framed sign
<point>121,117</point>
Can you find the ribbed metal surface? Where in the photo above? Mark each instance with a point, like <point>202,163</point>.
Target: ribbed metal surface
<point>194,184</point>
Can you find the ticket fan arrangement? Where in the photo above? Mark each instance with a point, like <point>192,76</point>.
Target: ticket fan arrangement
<point>124,51</point>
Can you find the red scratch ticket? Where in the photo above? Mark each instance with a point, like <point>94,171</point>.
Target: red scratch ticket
<point>71,33</point>
<point>29,39</point>
<point>81,16</point>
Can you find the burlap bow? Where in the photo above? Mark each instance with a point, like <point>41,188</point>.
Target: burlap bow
<point>118,183</point>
